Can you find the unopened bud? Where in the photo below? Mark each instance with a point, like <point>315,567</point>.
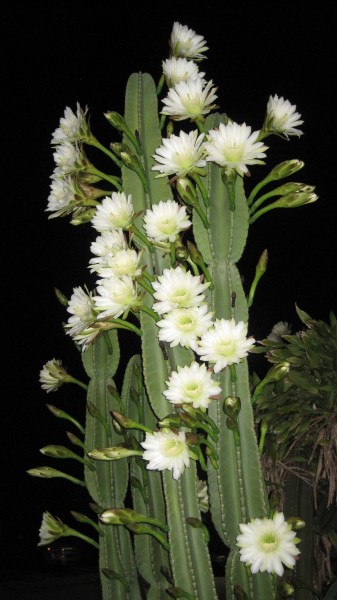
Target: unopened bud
<point>83,217</point>
<point>284,169</point>
<point>57,451</point>
<point>116,120</point>
<point>296,523</point>
<point>113,453</point>
<point>127,423</point>
<point>296,199</point>
<point>287,590</point>
<point>187,191</point>
<point>232,406</point>
<point>119,147</point>
<point>61,297</point>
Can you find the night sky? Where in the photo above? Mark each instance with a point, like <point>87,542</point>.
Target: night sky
<point>55,54</point>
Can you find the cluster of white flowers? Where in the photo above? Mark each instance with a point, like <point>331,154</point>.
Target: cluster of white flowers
<point>69,160</point>
<point>179,298</point>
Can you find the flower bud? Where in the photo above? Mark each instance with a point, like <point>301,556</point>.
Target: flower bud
<point>232,406</point>
<point>61,297</point>
<point>287,590</point>
<point>57,451</point>
<point>187,191</point>
<point>113,453</point>
<point>119,147</point>
<point>284,169</point>
<point>296,199</point>
<point>127,423</point>
<point>116,120</point>
<point>82,216</point>
<point>296,523</point>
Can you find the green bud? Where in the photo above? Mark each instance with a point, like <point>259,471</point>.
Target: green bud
<point>182,253</point>
<point>276,373</point>
<point>232,407</point>
<point>296,523</point>
<point>284,169</point>
<point>198,524</point>
<point>82,216</point>
<point>61,297</point>
<point>49,473</point>
<point>287,590</point>
<point>296,199</point>
<point>57,451</point>
<point>116,120</point>
<point>131,161</point>
<point>170,421</point>
<point>127,423</point>
<point>119,147</point>
<point>127,516</point>
<point>187,192</point>
<point>113,453</point>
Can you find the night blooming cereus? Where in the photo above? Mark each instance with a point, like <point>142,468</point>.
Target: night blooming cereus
<point>167,225</point>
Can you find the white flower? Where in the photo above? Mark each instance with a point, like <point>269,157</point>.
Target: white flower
<point>267,543</point>
<point>189,99</point>
<point>184,325</point>
<point>82,309</point>
<point>186,43</point>
<point>282,118</point>
<point>51,529</point>
<point>116,296</point>
<point>225,343</point>
<point>52,375</point>
<point>279,329</point>
<point>166,450</point>
<point>180,155</point>
<point>122,262</point>
<point>177,288</point>
<point>234,146</point>
<point>115,212</point>
<point>73,127</point>
<point>61,199</point>
<point>68,159</point>
<point>191,385</point>
<point>107,243</point>
<point>165,220</point>
<point>180,69</point>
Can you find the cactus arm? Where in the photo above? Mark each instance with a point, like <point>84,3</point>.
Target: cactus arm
<point>107,485</point>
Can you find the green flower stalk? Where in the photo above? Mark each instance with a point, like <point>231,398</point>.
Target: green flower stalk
<point>178,440</point>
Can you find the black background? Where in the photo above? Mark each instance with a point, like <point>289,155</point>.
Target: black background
<point>57,53</point>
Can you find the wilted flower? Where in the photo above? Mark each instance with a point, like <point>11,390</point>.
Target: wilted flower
<point>233,146</point>
<point>165,220</point>
<point>166,450</point>
<point>180,155</point>
<point>282,117</point>
<point>225,343</point>
<point>186,43</point>
<point>191,385</point>
<point>267,543</point>
<point>189,99</point>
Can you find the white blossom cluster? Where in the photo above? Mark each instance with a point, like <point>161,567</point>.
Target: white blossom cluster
<point>179,297</point>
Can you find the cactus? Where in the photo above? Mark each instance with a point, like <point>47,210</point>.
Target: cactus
<point>153,538</point>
